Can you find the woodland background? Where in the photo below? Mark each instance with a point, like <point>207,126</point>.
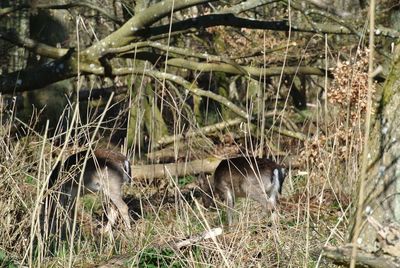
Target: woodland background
<point>179,85</point>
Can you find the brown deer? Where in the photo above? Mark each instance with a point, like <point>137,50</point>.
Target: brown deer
<point>260,179</point>
<point>104,171</point>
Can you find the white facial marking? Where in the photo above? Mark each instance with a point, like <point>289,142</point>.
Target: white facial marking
<point>127,172</point>
<point>126,165</point>
<point>275,182</point>
<point>276,173</point>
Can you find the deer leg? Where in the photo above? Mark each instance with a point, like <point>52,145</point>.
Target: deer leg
<point>230,203</point>
<point>271,203</point>
<point>226,195</point>
<point>112,189</point>
<point>207,191</point>
<point>122,209</point>
<point>66,210</point>
<point>112,217</point>
<point>268,202</point>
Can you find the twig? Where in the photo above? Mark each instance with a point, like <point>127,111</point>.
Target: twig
<point>32,45</point>
<point>212,233</point>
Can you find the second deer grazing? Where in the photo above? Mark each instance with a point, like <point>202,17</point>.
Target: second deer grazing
<point>105,171</point>
<point>260,179</point>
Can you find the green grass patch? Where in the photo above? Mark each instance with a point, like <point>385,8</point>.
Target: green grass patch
<point>153,257</point>
<point>183,181</point>
<point>5,261</point>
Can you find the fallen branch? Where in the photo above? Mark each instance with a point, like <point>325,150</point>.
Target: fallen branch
<point>207,165</point>
<point>342,256</point>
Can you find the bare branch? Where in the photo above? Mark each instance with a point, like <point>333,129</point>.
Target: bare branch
<point>154,13</point>
<point>228,19</point>
<point>187,85</point>
<point>253,71</point>
<point>291,134</point>
<point>215,20</point>
<point>202,131</point>
<point>32,45</point>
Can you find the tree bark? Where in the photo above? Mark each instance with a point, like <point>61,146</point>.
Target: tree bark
<point>382,198</point>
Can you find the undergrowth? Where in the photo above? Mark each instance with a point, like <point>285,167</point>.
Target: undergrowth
<point>309,214</point>
<point>314,209</point>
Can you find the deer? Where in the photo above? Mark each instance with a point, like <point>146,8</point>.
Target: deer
<point>104,171</point>
<point>260,179</point>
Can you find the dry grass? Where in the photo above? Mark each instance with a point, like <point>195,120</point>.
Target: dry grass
<point>308,217</point>
<point>314,210</point>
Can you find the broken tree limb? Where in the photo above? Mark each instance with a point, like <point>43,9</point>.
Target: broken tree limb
<point>207,165</point>
<point>342,255</point>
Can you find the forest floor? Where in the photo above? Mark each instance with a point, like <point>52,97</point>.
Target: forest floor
<point>311,214</point>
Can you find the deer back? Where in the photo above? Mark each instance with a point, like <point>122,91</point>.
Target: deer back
<point>102,167</point>
<point>242,173</point>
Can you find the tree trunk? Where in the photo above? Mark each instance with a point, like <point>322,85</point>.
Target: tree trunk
<point>383,183</point>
